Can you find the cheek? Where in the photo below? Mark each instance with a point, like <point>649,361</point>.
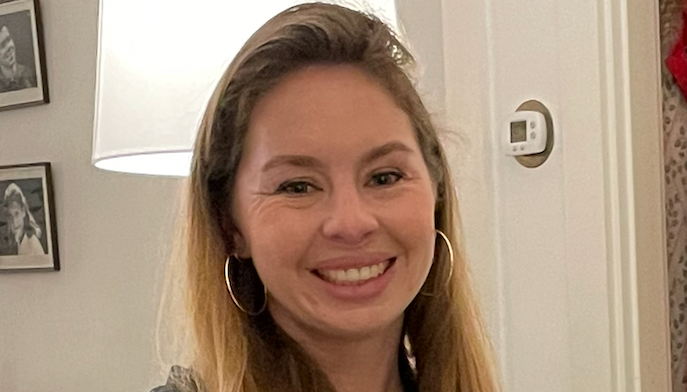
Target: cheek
<point>17,218</point>
<point>279,242</point>
<point>410,222</point>
<point>413,212</point>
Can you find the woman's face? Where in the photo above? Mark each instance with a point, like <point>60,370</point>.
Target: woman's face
<point>17,215</point>
<point>334,203</point>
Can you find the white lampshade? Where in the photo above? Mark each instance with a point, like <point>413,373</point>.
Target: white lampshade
<point>158,63</point>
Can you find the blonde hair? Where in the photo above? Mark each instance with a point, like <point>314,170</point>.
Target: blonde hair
<point>231,351</point>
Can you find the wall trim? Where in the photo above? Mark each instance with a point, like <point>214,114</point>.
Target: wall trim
<point>635,223</point>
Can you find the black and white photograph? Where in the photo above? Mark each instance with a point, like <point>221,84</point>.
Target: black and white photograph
<point>28,237</point>
<point>23,79</point>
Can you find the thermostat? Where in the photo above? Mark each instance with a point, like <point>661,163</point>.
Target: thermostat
<point>525,133</point>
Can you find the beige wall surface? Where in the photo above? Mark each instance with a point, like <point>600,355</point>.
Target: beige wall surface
<point>89,326</point>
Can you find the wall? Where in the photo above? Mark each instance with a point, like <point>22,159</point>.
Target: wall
<point>421,25</point>
<point>89,326</point>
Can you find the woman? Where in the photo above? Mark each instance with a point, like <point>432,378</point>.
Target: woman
<point>321,190</point>
<point>24,232</point>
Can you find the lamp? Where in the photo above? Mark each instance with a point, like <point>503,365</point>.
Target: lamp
<point>158,63</point>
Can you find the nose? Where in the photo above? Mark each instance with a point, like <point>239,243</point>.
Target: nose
<point>350,219</point>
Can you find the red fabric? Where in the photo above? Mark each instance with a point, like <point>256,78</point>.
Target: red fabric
<point>677,61</point>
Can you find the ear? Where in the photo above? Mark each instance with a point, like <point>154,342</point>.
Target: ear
<point>234,241</point>
<point>241,246</point>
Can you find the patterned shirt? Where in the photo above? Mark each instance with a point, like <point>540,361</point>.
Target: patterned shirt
<point>179,380</point>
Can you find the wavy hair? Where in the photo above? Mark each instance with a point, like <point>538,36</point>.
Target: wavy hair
<point>233,352</point>
<point>14,194</point>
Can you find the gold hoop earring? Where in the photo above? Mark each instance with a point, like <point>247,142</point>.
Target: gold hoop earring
<point>450,260</point>
<point>227,279</point>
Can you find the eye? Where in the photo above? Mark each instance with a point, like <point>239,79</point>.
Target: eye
<point>297,188</point>
<point>385,178</point>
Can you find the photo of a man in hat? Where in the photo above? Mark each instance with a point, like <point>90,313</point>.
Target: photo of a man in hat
<point>13,75</point>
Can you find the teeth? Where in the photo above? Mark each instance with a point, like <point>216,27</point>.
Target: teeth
<point>354,275</point>
<point>374,270</point>
<point>338,275</point>
<point>365,273</point>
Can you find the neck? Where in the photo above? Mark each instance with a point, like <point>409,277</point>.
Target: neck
<point>366,363</point>
<point>9,72</point>
<point>19,235</point>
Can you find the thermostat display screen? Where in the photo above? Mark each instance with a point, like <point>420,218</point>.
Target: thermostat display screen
<point>518,131</point>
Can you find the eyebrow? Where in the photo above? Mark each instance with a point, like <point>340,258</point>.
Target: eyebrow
<point>384,150</point>
<point>311,162</point>
<point>292,160</point>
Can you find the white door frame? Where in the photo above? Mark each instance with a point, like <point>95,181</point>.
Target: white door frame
<point>635,197</point>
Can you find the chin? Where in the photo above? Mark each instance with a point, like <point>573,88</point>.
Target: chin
<point>339,323</point>
<point>359,323</point>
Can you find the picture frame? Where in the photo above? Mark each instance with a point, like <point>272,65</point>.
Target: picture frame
<point>28,227</point>
<point>23,74</point>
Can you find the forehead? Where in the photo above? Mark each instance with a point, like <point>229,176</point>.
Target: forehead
<point>4,33</point>
<point>327,107</point>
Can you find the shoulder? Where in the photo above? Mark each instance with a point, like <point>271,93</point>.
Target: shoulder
<point>27,75</point>
<point>23,70</point>
<point>35,241</point>
<point>36,245</point>
<point>180,380</point>
<point>30,246</point>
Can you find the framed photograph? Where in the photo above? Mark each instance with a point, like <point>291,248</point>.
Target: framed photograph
<point>23,79</point>
<point>28,230</point>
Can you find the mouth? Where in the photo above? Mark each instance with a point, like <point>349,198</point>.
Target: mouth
<point>355,276</point>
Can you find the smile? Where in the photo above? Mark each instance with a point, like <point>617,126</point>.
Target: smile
<point>355,276</point>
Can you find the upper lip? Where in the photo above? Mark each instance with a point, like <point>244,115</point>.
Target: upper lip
<point>353,261</point>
